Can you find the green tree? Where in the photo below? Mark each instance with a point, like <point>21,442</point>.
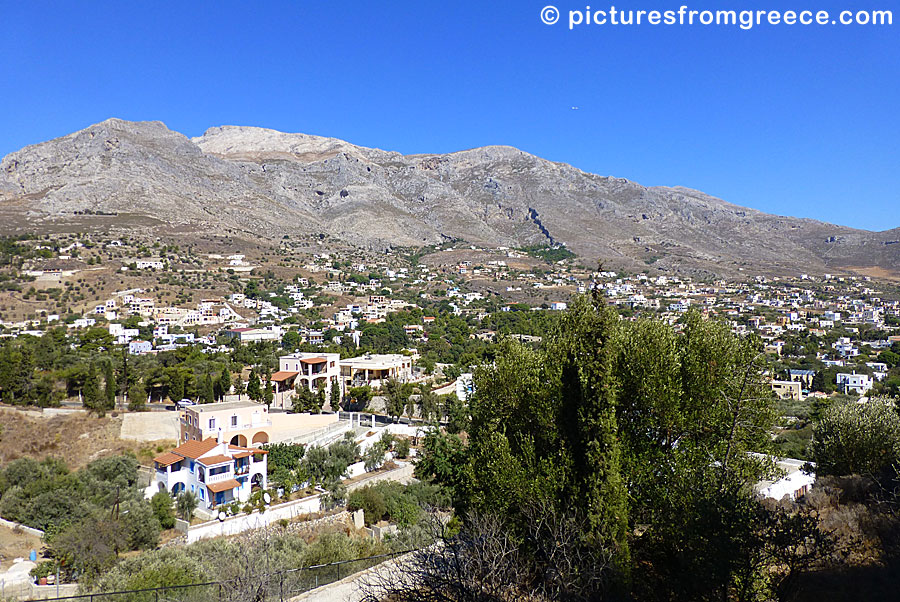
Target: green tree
<point>587,345</point>
<point>110,385</point>
<point>335,397</point>
<point>93,396</point>
<point>357,398</point>
<point>140,525</point>
<point>176,384</point>
<point>818,382</point>
<point>305,400</point>
<point>208,394</point>
<point>254,391</point>
<point>854,438</point>
<point>137,397</point>
<point>268,393</point>
<point>89,547</point>
<point>163,509</point>
<point>186,503</point>
<point>224,382</point>
<point>396,397</point>
<point>889,357</point>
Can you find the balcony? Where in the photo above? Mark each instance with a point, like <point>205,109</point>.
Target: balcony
<point>218,478</point>
<point>242,470</point>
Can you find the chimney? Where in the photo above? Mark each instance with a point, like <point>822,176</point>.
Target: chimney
<point>219,435</point>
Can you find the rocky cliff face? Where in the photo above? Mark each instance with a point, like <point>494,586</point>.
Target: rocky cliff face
<point>268,183</point>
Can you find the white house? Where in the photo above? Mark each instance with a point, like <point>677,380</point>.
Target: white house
<point>149,264</point>
<point>465,386</point>
<point>855,383</point>
<point>216,472</point>
<point>794,484</point>
<point>139,347</point>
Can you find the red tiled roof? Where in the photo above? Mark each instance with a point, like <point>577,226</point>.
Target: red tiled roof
<point>223,485</point>
<point>246,450</point>
<point>195,449</point>
<point>282,375</point>
<point>211,460</point>
<point>313,360</point>
<point>247,454</point>
<point>168,458</point>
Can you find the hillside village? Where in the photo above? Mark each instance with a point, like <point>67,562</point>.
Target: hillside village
<point>224,363</point>
<point>837,325</point>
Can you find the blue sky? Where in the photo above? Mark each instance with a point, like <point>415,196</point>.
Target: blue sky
<point>791,120</point>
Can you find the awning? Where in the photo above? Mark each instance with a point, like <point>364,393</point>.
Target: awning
<point>282,376</point>
<point>223,485</point>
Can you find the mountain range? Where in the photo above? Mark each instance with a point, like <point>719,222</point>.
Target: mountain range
<point>264,184</point>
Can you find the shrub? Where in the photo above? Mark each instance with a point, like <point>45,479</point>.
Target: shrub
<point>371,501</point>
<point>163,509</point>
<point>854,438</point>
<point>402,448</point>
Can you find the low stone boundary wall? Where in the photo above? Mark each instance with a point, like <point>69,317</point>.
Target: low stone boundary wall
<point>11,525</point>
<point>287,510</point>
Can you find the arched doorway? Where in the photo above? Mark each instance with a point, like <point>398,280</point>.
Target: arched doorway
<point>177,488</point>
<point>256,481</point>
<point>260,438</point>
<point>239,440</point>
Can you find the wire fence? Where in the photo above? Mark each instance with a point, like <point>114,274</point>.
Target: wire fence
<point>271,587</point>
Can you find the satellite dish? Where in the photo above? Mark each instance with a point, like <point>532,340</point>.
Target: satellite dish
<point>267,498</point>
<point>221,516</point>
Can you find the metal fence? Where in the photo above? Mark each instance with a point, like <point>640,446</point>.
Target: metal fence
<point>279,586</point>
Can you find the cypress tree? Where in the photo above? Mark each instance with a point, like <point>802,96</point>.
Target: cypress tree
<point>224,382</point>
<point>587,342</point>
<point>93,397</point>
<point>137,397</point>
<point>253,390</point>
<point>110,386</point>
<point>335,396</point>
<point>209,395</point>
<point>176,386</point>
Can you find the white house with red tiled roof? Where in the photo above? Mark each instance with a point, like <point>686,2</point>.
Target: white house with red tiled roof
<point>311,369</point>
<point>216,472</point>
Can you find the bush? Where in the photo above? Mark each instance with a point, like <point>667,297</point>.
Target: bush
<point>163,509</point>
<point>141,526</point>
<point>371,501</point>
<point>854,438</point>
<point>402,449</point>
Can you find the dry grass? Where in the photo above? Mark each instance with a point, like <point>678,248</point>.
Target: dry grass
<point>16,544</point>
<point>77,438</point>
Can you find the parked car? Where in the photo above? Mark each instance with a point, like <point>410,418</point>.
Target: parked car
<point>184,403</point>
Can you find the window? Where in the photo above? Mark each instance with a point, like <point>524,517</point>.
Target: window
<point>234,420</point>
<point>212,423</point>
<point>201,493</point>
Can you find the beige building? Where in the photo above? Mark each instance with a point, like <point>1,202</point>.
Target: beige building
<point>373,370</point>
<point>788,389</point>
<point>237,422</point>
<point>247,423</point>
<point>312,370</point>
